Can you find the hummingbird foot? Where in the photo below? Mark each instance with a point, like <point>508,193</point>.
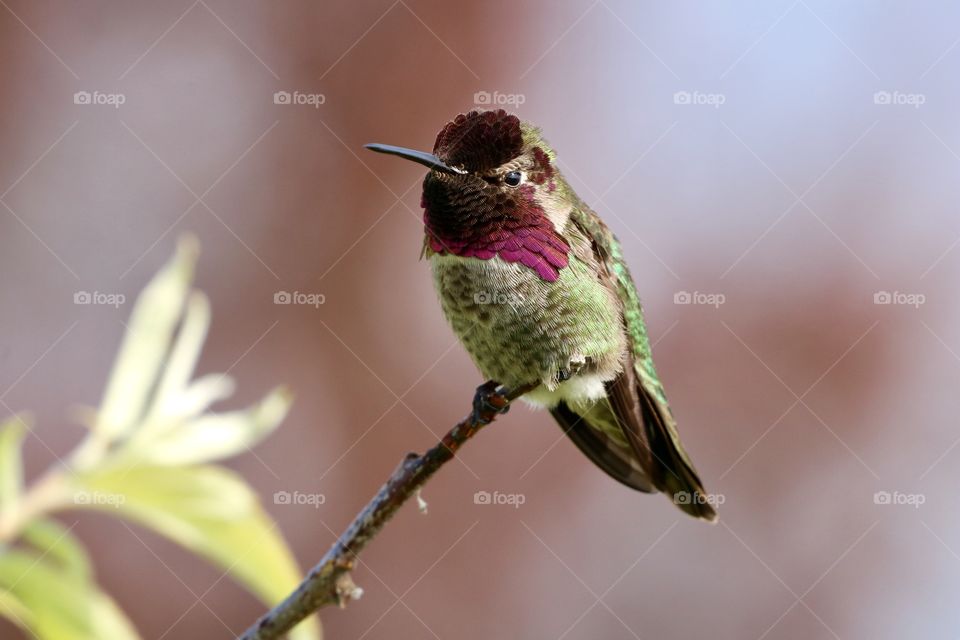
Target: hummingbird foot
<point>574,366</point>
<point>489,400</point>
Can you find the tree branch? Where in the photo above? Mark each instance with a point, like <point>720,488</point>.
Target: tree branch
<point>329,582</point>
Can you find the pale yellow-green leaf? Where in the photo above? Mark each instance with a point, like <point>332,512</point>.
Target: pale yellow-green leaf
<point>212,512</point>
<point>58,546</point>
<point>202,393</point>
<point>152,323</point>
<point>109,620</point>
<point>15,611</point>
<point>183,357</point>
<point>56,605</point>
<point>179,408</point>
<point>11,466</point>
<point>211,437</point>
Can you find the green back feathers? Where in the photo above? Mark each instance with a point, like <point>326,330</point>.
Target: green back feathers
<point>608,248</point>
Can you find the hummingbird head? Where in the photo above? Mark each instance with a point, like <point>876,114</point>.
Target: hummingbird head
<point>493,190</point>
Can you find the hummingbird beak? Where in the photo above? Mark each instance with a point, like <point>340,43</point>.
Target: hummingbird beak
<point>421,157</point>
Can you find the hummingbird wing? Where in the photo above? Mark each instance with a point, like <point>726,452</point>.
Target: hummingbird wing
<point>636,394</point>
<point>618,461</point>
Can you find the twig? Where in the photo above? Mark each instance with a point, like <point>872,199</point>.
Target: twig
<point>329,582</point>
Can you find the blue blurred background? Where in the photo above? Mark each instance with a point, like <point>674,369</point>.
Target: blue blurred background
<point>793,162</point>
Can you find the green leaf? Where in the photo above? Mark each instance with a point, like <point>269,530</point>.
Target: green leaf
<point>183,358</point>
<point>11,466</point>
<point>55,605</point>
<point>55,542</point>
<point>145,346</point>
<point>15,611</point>
<point>210,437</point>
<point>109,620</point>
<point>202,393</point>
<point>212,512</point>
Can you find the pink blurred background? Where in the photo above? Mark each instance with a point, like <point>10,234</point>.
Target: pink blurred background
<point>736,150</point>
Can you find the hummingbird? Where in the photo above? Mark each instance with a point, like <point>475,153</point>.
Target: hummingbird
<point>536,288</point>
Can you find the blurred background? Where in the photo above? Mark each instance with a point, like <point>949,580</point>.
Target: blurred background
<point>783,176</point>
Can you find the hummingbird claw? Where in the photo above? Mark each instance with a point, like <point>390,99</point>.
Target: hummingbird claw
<point>575,364</point>
<point>489,401</point>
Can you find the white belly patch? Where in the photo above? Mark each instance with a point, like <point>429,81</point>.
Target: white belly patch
<point>578,389</point>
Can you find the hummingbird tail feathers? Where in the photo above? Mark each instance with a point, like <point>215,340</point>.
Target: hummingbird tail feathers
<point>648,426</point>
<point>674,474</point>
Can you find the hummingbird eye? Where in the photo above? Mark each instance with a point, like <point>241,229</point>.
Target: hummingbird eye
<point>513,178</point>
